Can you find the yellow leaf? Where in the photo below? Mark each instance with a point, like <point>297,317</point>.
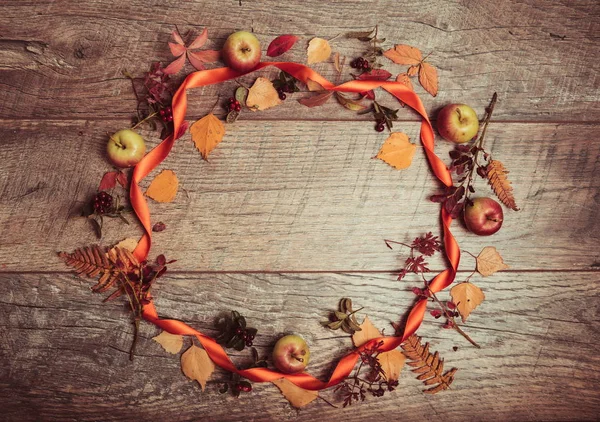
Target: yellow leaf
<point>298,397</point>
<point>172,343</point>
<point>428,78</point>
<point>467,297</point>
<point>367,332</point>
<point>397,151</point>
<point>314,86</point>
<point>196,365</point>
<point>262,95</point>
<point>207,133</point>
<point>489,261</point>
<point>130,244</point>
<point>391,363</point>
<point>164,187</point>
<point>318,50</point>
<point>404,54</point>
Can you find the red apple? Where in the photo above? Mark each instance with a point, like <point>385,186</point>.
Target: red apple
<point>484,217</point>
<point>457,123</point>
<point>125,148</point>
<point>241,51</point>
<point>291,354</point>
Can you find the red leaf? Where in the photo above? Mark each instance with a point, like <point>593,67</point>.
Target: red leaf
<point>201,57</point>
<point>370,95</point>
<point>177,37</point>
<point>122,179</point>
<point>109,181</point>
<point>159,227</point>
<point>436,313</point>
<point>281,44</point>
<point>175,66</point>
<point>199,41</point>
<point>176,49</point>
<point>316,100</point>
<point>195,61</point>
<point>375,75</point>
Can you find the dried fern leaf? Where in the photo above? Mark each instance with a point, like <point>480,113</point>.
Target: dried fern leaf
<point>498,180</point>
<point>429,366</point>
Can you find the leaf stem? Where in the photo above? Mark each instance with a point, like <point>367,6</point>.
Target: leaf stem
<point>144,120</point>
<point>451,318</point>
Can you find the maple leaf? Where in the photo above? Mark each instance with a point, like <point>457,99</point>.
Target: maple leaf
<point>207,133</point>
<point>428,78</point>
<point>467,297</point>
<point>318,50</point>
<point>404,54</point>
<point>196,365</point>
<point>496,174</point>
<point>262,95</point>
<point>489,261</point>
<point>281,44</point>
<point>197,59</point>
<point>163,187</point>
<point>172,343</point>
<point>427,244</point>
<point>298,397</point>
<point>397,151</point>
<point>416,265</point>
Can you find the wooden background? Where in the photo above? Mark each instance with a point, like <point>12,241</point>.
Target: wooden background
<point>290,213</point>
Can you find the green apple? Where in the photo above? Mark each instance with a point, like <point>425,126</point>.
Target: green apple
<point>291,354</point>
<point>457,123</point>
<point>241,51</point>
<point>125,148</point>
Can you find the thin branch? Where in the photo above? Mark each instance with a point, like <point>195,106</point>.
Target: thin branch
<point>451,318</point>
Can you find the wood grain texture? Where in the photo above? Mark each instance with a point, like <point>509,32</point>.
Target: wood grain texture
<point>297,196</point>
<point>61,61</point>
<point>65,354</point>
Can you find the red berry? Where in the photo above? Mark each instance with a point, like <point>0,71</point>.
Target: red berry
<point>102,202</point>
<point>249,343</point>
<point>238,107</point>
<point>282,96</point>
<point>380,128</point>
<point>246,388</point>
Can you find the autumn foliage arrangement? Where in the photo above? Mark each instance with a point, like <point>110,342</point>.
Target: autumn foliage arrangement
<point>119,270</point>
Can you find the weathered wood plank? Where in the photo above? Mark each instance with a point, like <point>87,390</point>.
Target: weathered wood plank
<point>297,196</point>
<point>65,354</point>
<point>63,59</point>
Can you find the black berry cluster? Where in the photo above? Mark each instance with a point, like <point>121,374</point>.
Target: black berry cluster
<point>102,202</point>
<point>360,63</point>
<point>247,336</point>
<point>380,125</point>
<point>166,114</point>
<point>233,105</point>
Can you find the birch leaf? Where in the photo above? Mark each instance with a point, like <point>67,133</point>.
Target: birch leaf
<point>467,297</point>
<point>207,133</point>
<point>298,397</point>
<point>196,365</point>
<point>490,261</point>
<point>397,151</point>
<point>163,187</point>
<point>172,343</point>
<point>262,95</point>
<point>318,50</point>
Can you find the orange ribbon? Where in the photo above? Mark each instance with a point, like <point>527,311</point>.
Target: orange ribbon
<point>302,73</point>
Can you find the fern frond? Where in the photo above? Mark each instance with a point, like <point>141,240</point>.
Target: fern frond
<point>498,180</point>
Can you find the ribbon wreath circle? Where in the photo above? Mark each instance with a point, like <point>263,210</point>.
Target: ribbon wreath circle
<point>161,151</point>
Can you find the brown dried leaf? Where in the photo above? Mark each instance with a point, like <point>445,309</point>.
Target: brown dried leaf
<point>207,133</point>
<point>496,174</point>
<point>298,397</point>
<point>196,365</point>
<point>489,261</point>
<point>367,332</point>
<point>318,50</point>
<point>336,62</point>
<point>349,103</point>
<point>397,151</point>
<point>163,187</point>
<point>262,95</point>
<point>316,100</point>
<point>404,54</point>
<point>428,78</point>
<point>392,363</point>
<point>172,343</point>
<point>130,244</point>
<point>314,86</point>
<point>467,297</point>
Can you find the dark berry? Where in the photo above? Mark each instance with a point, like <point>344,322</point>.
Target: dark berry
<point>282,96</point>
<point>102,202</point>
<point>246,388</point>
<point>238,107</point>
<point>239,331</point>
<point>249,343</point>
<point>162,111</point>
<point>380,128</point>
<point>239,387</point>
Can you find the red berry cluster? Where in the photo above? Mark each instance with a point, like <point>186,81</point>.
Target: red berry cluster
<point>248,337</point>
<point>102,202</point>
<point>380,125</point>
<point>233,105</point>
<point>360,63</point>
<point>243,387</point>
<point>283,89</point>
<point>166,114</point>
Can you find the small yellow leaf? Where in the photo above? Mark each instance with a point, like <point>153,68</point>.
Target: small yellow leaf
<point>163,187</point>
<point>367,332</point>
<point>262,95</point>
<point>298,397</point>
<point>489,261</point>
<point>467,297</point>
<point>397,151</point>
<point>404,54</point>
<point>318,50</point>
<point>172,343</point>
<point>314,86</point>
<point>392,363</point>
<point>207,133</point>
<point>130,244</point>
<point>196,365</point>
<point>428,78</point>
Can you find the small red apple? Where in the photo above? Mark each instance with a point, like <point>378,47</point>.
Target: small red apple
<point>484,217</point>
<point>241,51</point>
<point>457,123</point>
<point>125,148</point>
<point>291,354</point>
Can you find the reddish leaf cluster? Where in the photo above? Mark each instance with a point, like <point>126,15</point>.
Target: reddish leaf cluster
<point>110,179</point>
<point>426,245</point>
<point>156,82</point>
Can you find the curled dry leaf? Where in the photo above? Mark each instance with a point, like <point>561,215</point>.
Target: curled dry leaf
<point>375,75</point>
<point>262,95</point>
<point>404,54</point>
<point>298,397</point>
<point>207,133</point>
<point>489,261</point>
<point>397,151</point>
<point>318,50</point>
<point>130,244</point>
<point>349,103</point>
<point>172,343</point>
<point>428,78</point>
<point>316,100</point>
<point>281,44</point>
<point>196,365</point>
<point>163,187</point>
<point>467,297</point>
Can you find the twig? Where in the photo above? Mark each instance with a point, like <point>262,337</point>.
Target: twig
<point>451,318</point>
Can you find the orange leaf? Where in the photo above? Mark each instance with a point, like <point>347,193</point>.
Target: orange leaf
<point>496,173</point>
<point>412,71</point>
<point>298,397</point>
<point>262,95</point>
<point>428,78</point>
<point>318,50</point>
<point>367,332</point>
<point>489,261</point>
<point>196,365</point>
<point>404,79</point>
<point>467,297</point>
<point>172,343</point>
<point>207,133</point>
<point>397,151</point>
<point>404,54</point>
<point>164,187</point>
